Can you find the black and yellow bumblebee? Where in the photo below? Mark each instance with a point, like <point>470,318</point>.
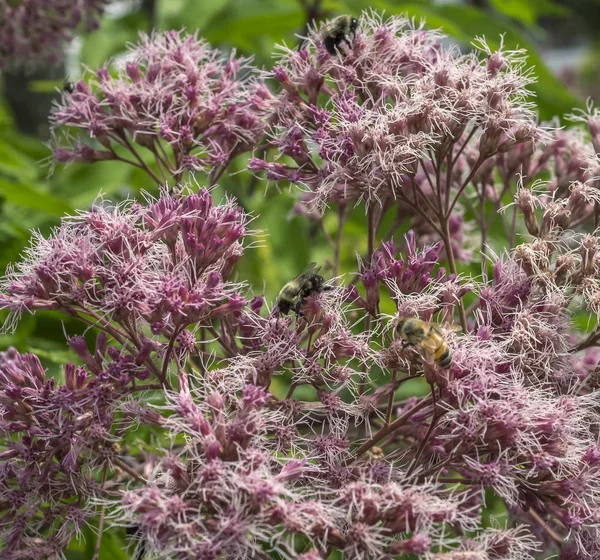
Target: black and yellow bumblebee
<point>427,338</point>
<point>293,295</point>
<point>337,31</point>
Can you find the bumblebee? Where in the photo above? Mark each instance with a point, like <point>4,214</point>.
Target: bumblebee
<point>293,295</point>
<point>337,31</point>
<point>427,338</point>
<point>68,86</point>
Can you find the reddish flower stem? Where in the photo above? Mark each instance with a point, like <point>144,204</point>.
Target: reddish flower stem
<point>391,427</point>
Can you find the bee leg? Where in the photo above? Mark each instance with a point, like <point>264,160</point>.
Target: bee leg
<point>298,306</point>
<point>338,45</point>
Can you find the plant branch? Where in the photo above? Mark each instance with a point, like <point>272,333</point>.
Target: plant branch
<point>101,522</point>
<point>391,427</point>
<point>474,170</point>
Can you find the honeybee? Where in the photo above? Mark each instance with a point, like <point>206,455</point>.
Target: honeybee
<point>427,338</point>
<point>293,294</point>
<point>337,31</point>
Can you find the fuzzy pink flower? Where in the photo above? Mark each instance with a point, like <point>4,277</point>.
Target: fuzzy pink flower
<point>174,95</point>
<point>33,32</point>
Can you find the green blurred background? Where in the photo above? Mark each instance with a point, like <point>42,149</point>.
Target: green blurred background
<point>560,37</point>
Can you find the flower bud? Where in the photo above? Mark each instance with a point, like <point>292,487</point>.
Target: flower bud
<point>564,266</point>
<point>526,202</point>
<point>589,248</point>
<point>371,285</point>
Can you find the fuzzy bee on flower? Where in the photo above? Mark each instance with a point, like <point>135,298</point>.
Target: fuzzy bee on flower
<point>68,85</point>
<point>293,295</point>
<point>428,339</point>
<point>337,31</point>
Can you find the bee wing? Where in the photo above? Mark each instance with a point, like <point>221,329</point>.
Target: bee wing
<point>311,268</point>
<point>305,276</point>
<point>426,354</point>
<point>450,327</point>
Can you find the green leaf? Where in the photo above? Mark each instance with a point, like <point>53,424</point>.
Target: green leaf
<point>45,86</point>
<point>111,39</point>
<point>254,19</point>
<point>521,11</point>
<point>191,14</point>
<point>83,183</point>
<point>528,12</point>
<point>15,163</point>
<point>113,547</point>
<point>56,356</point>
<point>33,198</point>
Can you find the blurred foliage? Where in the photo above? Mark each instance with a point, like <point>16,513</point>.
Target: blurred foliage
<point>31,197</point>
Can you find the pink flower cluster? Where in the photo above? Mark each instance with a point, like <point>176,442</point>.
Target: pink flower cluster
<point>34,32</point>
<point>345,458</point>
<point>378,124</point>
<point>173,95</point>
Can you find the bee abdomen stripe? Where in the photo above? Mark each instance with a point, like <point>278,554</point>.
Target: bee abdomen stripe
<point>443,358</point>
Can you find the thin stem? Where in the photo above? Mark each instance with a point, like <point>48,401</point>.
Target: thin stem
<point>483,227</point>
<point>390,407</point>
<point>591,340</point>
<point>167,357</point>
<point>460,151</point>
<point>438,184</point>
<point>457,481</point>
<point>551,532</point>
<point>362,388</point>
<point>371,234</point>
<point>395,225</point>
<point>434,468</point>
<point>220,340</point>
<point>449,171</point>
<point>326,234</point>
<point>513,227</point>
<point>101,522</point>
<point>424,441</point>
<point>291,390</point>
<point>101,324</point>
<point>130,471</point>
<point>464,185</point>
<point>309,343</point>
<point>228,328</point>
<point>427,175</point>
<point>121,337</point>
<point>473,307</point>
<point>214,177</point>
<point>338,240</point>
<point>391,427</point>
<point>165,159</point>
<point>452,265</point>
<point>416,185</point>
<point>416,206</point>
<point>125,141</point>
